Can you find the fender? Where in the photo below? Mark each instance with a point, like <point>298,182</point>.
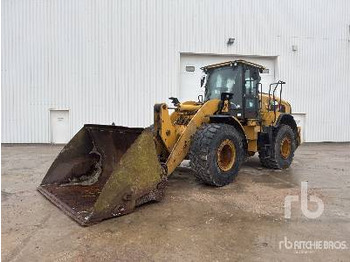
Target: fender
<point>288,119</point>
<point>227,119</point>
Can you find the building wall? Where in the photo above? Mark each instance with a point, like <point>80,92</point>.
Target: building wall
<point>110,61</point>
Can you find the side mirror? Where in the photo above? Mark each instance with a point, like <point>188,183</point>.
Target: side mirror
<point>226,96</point>
<point>174,100</point>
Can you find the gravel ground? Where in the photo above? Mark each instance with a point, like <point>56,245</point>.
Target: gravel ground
<point>241,221</point>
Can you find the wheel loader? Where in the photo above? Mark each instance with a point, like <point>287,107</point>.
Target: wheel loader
<point>106,170</point>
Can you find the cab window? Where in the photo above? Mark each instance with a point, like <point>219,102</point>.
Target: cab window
<point>225,79</point>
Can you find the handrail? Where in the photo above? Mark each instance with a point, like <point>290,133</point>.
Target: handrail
<point>273,96</point>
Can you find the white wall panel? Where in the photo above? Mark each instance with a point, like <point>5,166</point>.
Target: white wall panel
<point>110,61</point>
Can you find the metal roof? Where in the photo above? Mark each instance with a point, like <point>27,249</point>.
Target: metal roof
<point>228,63</point>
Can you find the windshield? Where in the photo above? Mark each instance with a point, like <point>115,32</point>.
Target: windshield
<point>225,79</point>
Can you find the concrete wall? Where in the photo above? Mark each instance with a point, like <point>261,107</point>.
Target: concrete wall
<point>110,61</point>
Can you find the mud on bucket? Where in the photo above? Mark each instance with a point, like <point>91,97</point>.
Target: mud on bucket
<point>103,172</point>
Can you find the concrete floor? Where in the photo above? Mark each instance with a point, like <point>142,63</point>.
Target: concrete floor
<point>242,221</point>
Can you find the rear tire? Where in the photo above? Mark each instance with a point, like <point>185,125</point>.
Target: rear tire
<point>216,153</point>
<point>283,148</point>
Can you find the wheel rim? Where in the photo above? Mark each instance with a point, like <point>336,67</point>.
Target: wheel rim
<point>285,147</point>
<point>226,155</point>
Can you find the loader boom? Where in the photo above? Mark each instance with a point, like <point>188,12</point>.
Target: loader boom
<point>180,149</point>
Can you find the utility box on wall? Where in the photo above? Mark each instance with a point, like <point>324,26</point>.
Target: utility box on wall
<point>300,119</point>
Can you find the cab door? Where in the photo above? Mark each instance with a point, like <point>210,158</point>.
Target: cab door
<point>250,92</point>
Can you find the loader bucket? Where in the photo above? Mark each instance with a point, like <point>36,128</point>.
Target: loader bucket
<point>103,172</point>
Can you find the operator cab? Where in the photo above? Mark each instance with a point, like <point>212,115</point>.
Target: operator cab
<point>239,80</point>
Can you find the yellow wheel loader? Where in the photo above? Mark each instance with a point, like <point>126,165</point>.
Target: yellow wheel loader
<point>107,171</point>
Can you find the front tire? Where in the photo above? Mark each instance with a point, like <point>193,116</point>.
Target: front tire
<point>216,153</point>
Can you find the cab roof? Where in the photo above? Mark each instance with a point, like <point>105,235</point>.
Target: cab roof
<point>229,63</point>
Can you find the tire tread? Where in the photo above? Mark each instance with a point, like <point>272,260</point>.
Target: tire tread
<point>201,147</point>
